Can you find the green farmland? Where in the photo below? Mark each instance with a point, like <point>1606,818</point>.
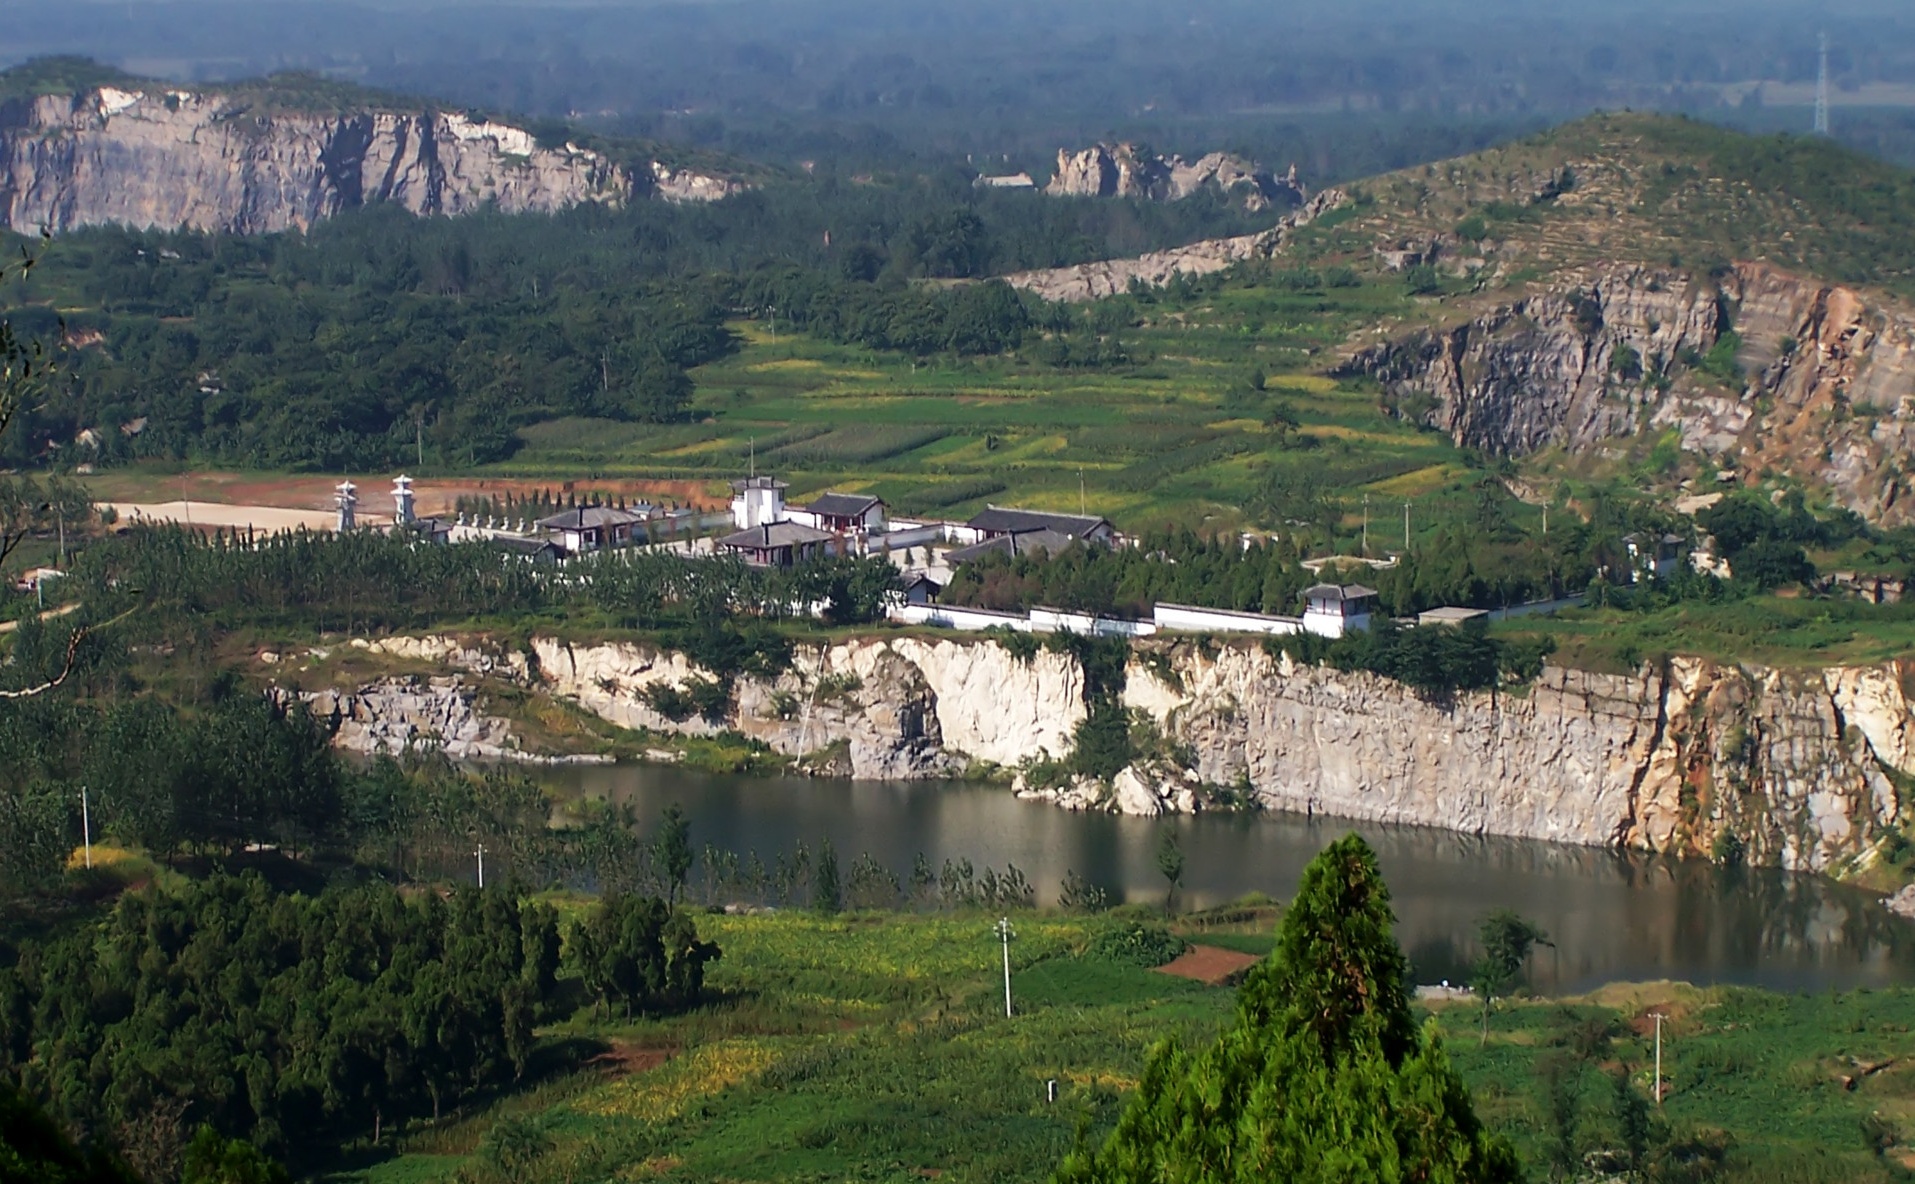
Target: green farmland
<point>874,1047</point>
<point>1176,435</point>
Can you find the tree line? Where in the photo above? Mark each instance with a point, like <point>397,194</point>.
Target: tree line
<point>379,339</point>
<point>297,1021</point>
<point>366,580</point>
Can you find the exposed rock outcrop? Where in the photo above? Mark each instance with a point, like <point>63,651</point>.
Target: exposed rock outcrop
<point>225,161</point>
<point>1120,170</point>
<point>1797,769</point>
<point>684,185</point>
<point>1827,393</point>
<point>398,715</point>
<point>1112,277</point>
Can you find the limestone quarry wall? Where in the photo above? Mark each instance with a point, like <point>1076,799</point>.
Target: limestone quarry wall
<point>1827,393</point>
<point>1800,767</point>
<point>220,162</point>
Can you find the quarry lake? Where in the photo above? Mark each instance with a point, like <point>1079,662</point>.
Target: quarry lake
<point>1613,916</point>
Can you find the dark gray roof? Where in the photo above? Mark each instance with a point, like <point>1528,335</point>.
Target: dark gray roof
<point>775,534</point>
<point>1027,542</point>
<point>1338,592</point>
<point>843,505</point>
<point>918,577</point>
<point>590,518</point>
<point>745,483</point>
<point>520,545</point>
<point>1003,520</point>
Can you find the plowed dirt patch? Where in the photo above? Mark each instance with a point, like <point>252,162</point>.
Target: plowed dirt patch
<point>622,1059</point>
<point>1210,964</point>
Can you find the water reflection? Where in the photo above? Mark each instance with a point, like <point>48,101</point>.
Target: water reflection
<point>1613,916</point>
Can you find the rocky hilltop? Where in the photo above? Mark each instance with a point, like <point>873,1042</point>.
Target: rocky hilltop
<point>1122,170</point>
<point>1113,277</point>
<point>1823,384</point>
<point>212,160</point>
<point>1796,768</point>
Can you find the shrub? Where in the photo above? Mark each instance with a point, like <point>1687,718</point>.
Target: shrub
<point>1133,943</point>
<point>707,698</point>
<point>1079,895</point>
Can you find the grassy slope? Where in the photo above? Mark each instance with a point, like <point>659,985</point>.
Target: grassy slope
<point>872,1048</point>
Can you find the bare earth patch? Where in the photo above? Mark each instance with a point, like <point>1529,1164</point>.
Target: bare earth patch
<point>625,1059</point>
<point>1210,964</point>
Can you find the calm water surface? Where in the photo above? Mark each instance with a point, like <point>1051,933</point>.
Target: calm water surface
<point>1613,916</point>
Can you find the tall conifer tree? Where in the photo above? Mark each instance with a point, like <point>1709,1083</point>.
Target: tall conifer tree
<point>1323,1078</point>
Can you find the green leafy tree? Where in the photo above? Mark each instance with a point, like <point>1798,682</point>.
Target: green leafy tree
<point>211,1159</point>
<point>1324,1077</point>
<point>1507,941</point>
<point>827,895</point>
<point>672,852</point>
<point>1170,863</point>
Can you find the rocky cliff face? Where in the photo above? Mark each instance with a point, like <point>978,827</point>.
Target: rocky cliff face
<point>1120,170</point>
<point>1802,769</point>
<point>399,715</point>
<point>217,162</point>
<point>1828,392</point>
<point>1111,277</point>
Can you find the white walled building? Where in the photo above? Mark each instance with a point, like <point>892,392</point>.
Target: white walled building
<point>758,501</point>
<point>1331,610</point>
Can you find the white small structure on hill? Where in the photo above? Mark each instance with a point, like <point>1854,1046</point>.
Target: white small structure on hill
<point>346,497</point>
<point>757,501</point>
<point>1654,555</point>
<point>402,500</point>
<point>1331,610</point>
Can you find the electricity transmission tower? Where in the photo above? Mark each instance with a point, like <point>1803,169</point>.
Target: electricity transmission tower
<point>1822,91</point>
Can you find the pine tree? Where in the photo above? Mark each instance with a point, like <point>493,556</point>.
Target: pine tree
<point>1324,1077</point>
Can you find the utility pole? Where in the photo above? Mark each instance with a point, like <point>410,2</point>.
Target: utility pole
<point>1003,929</point>
<point>1082,511</point>
<point>1545,519</point>
<point>86,828</point>
<point>1659,1017</point>
<point>1366,524</point>
<point>482,865</point>
<point>60,509</point>
<point>1406,527</point>
<point>1822,91</point>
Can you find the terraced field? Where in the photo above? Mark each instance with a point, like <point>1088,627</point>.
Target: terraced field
<point>1178,435</point>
